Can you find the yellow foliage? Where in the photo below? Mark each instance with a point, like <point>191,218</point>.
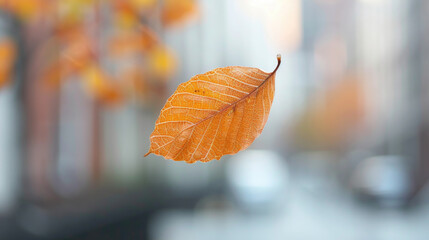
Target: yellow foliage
<point>162,62</point>
<point>175,12</point>
<point>98,84</point>
<point>73,48</point>
<point>7,60</point>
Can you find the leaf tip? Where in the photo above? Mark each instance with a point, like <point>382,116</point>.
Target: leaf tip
<point>279,60</point>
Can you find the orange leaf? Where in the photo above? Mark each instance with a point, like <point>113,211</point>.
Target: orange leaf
<point>213,114</point>
<point>7,59</point>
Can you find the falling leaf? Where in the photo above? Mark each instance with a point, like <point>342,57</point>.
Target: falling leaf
<point>216,113</point>
<point>174,12</point>
<point>7,59</point>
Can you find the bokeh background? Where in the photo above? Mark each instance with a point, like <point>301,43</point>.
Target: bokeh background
<point>344,154</point>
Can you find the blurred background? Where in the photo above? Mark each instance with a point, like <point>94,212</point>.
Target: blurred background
<point>344,154</point>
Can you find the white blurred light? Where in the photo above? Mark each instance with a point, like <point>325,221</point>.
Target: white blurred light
<point>375,2</point>
<point>282,20</point>
<point>257,178</point>
<point>385,177</point>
